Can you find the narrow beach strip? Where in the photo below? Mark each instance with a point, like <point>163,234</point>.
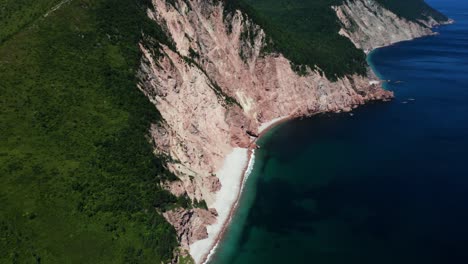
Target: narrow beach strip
<point>230,176</point>
<point>227,199</point>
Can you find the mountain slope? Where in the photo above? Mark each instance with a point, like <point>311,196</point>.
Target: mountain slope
<point>413,10</point>
<point>79,179</point>
<point>305,30</point>
<point>370,25</point>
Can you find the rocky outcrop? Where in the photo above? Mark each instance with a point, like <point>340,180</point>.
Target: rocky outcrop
<point>190,225</point>
<point>368,25</point>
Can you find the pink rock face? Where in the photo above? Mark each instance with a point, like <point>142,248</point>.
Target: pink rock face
<point>176,187</point>
<point>190,224</point>
<point>211,183</point>
<point>201,123</point>
<point>376,26</point>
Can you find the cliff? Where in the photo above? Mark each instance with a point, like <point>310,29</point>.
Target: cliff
<point>217,88</point>
<point>369,25</point>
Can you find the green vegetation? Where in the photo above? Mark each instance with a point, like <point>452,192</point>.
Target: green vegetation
<point>306,31</point>
<point>412,9</point>
<point>185,258</point>
<point>79,180</point>
<point>200,204</point>
<point>17,14</point>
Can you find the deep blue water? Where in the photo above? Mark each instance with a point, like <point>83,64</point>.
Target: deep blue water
<point>386,185</point>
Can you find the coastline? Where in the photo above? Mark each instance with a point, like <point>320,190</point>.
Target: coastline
<point>372,66</point>
<point>230,176</point>
<point>224,223</point>
<point>202,255</point>
<point>370,53</point>
<point>217,236</point>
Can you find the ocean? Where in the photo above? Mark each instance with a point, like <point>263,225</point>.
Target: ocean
<point>385,184</point>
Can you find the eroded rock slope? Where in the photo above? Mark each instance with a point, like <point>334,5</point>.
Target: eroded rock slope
<point>369,25</point>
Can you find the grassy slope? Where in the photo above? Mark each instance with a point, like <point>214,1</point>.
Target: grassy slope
<point>306,31</point>
<point>79,180</point>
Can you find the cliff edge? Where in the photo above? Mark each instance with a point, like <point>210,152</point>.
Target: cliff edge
<point>218,88</point>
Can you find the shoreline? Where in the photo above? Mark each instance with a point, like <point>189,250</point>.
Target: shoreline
<point>250,154</point>
<point>229,174</point>
<point>263,129</point>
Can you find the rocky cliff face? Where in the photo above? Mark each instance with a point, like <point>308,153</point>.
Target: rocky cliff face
<point>368,25</point>
<point>217,88</point>
<point>190,225</point>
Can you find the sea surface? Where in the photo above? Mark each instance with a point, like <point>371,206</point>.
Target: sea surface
<point>387,184</point>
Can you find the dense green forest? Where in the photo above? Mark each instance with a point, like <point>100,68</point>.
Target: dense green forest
<point>412,9</point>
<point>17,14</point>
<point>306,31</point>
<point>79,179</point>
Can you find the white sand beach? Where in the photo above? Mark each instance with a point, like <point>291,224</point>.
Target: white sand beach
<point>233,175</point>
<point>231,178</point>
<point>270,123</point>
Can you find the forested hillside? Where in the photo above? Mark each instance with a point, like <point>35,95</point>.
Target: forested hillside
<point>17,14</point>
<point>79,179</point>
<point>412,9</point>
<point>306,31</point>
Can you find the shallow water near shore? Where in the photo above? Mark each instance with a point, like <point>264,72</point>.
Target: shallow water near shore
<point>388,184</point>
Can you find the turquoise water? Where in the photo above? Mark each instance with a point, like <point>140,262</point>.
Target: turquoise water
<point>386,185</point>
